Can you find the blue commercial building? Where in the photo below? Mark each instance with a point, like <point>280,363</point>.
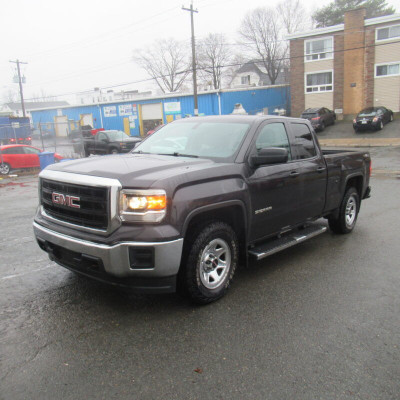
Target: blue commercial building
<point>137,117</point>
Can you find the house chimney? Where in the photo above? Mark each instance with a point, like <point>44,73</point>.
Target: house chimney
<point>354,42</point>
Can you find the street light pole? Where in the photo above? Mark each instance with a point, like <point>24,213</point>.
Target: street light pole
<point>192,10</point>
<point>20,84</point>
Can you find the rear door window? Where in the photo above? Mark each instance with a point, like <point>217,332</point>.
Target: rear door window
<point>303,143</point>
<point>31,150</point>
<point>273,135</point>
<point>13,150</point>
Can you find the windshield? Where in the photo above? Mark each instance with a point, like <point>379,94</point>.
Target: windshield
<point>368,112</point>
<point>199,139</point>
<point>117,136</point>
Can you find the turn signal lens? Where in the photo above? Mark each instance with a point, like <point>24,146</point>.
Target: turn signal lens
<point>156,202</point>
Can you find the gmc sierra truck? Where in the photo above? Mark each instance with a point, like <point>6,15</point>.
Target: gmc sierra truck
<point>194,200</point>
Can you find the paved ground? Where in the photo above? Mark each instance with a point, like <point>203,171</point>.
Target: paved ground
<point>319,321</point>
<point>344,130</point>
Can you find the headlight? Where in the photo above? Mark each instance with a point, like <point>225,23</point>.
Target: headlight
<point>375,119</point>
<point>143,205</point>
<point>354,121</point>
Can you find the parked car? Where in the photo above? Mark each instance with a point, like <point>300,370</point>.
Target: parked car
<point>319,117</point>
<point>160,219</point>
<point>20,156</point>
<point>372,118</point>
<point>109,142</point>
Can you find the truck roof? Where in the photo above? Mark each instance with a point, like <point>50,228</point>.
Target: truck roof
<point>237,118</point>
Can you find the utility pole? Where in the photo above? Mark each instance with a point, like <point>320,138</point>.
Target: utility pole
<point>20,84</point>
<point>192,10</point>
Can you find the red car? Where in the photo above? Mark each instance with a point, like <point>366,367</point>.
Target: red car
<point>17,156</point>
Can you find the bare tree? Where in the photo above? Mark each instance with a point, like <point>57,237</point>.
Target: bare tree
<point>167,62</point>
<point>10,96</point>
<point>212,54</point>
<point>293,16</point>
<point>235,63</point>
<point>260,32</point>
<point>42,96</point>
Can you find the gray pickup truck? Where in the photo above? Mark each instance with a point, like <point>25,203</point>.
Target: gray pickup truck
<point>194,200</point>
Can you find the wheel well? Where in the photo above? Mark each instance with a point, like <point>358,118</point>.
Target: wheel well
<point>356,182</point>
<point>231,215</point>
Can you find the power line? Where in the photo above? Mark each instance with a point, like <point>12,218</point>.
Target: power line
<point>259,61</point>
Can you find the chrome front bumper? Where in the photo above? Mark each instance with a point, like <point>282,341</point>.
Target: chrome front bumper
<point>115,258</point>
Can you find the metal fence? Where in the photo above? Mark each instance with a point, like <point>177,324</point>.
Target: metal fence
<point>63,138</point>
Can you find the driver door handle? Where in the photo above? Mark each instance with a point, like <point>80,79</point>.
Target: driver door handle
<point>293,174</point>
<point>320,169</point>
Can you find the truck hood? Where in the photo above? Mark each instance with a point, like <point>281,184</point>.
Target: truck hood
<point>144,170</point>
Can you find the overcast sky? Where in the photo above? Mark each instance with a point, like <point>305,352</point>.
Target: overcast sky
<point>77,45</point>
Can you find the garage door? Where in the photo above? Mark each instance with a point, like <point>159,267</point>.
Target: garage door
<point>151,111</point>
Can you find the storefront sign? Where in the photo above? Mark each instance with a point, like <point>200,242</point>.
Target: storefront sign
<point>125,109</point>
<point>110,111</point>
<point>172,107</point>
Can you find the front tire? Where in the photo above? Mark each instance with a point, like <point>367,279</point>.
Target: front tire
<point>114,151</point>
<point>210,263</point>
<point>380,126</point>
<point>348,213</point>
<point>5,169</point>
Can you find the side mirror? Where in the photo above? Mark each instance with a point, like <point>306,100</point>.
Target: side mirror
<point>270,155</point>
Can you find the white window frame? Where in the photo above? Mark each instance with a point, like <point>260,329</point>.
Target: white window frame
<point>388,39</point>
<point>329,54</point>
<point>386,63</point>
<point>319,91</point>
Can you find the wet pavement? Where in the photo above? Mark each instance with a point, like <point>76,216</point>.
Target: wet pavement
<point>318,321</point>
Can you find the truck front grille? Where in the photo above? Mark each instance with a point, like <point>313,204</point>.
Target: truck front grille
<point>93,211</point>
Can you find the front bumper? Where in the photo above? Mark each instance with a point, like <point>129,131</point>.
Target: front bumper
<point>116,263</point>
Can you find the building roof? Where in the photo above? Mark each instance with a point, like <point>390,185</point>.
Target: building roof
<point>33,105</point>
<point>340,27</point>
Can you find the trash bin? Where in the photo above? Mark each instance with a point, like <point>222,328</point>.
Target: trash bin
<point>46,158</point>
<point>67,159</point>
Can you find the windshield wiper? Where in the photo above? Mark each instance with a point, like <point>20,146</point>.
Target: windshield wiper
<point>176,154</point>
<point>140,152</point>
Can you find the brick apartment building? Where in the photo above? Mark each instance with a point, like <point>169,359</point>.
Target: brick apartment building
<point>347,67</point>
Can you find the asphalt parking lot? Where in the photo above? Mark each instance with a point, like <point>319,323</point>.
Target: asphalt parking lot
<point>318,321</point>
<point>344,130</point>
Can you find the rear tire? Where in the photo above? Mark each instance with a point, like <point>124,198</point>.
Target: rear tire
<point>322,127</point>
<point>209,263</point>
<point>348,213</point>
<point>114,151</point>
<point>5,168</point>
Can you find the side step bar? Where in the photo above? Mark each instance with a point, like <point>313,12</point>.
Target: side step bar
<point>291,239</point>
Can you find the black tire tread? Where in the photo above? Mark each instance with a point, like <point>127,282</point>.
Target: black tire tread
<point>188,280</point>
<point>338,225</point>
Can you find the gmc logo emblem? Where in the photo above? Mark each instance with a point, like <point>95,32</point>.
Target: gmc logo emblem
<point>65,200</point>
